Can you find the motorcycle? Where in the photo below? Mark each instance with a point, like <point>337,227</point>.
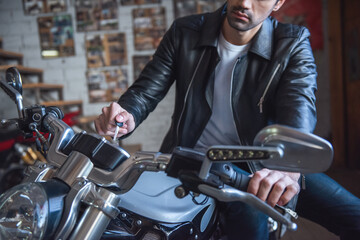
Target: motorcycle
<point>91,188</point>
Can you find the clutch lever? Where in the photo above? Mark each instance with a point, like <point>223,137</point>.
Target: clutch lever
<point>230,194</point>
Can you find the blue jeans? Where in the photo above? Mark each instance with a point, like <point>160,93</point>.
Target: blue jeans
<point>327,203</point>
<point>323,201</point>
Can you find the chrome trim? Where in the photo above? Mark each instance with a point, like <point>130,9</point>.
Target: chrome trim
<point>125,175</point>
<point>77,165</point>
<point>79,189</point>
<point>102,207</point>
<point>62,135</point>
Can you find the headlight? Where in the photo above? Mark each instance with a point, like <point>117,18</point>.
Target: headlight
<point>24,212</point>
<point>32,211</point>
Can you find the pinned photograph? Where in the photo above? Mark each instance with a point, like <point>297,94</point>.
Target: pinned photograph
<point>56,36</point>
<point>188,7</point>
<point>96,15</point>
<point>33,7</point>
<point>138,2</point>
<point>106,50</point>
<point>149,27</point>
<point>106,85</point>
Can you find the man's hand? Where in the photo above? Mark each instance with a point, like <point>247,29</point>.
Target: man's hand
<point>274,187</point>
<point>105,123</point>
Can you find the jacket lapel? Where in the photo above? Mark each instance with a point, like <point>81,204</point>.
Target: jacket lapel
<point>211,29</point>
<point>262,44</point>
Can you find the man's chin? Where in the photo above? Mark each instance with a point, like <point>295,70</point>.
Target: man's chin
<point>240,27</point>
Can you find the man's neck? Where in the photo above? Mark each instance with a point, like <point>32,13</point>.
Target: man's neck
<point>238,37</point>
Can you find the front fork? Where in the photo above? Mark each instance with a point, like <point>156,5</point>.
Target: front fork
<point>101,208</point>
<point>100,203</point>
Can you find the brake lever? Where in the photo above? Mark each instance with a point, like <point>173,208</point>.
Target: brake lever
<point>230,194</point>
<point>9,123</point>
<point>9,128</point>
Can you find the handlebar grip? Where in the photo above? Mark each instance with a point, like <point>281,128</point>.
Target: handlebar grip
<point>56,111</point>
<point>230,176</point>
<point>241,181</point>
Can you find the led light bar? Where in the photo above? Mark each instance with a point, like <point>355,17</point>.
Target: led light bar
<point>231,153</point>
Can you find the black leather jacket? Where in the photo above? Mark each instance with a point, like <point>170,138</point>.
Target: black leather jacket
<point>274,83</point>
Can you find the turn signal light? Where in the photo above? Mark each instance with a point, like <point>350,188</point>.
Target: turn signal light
<point>217,154</point>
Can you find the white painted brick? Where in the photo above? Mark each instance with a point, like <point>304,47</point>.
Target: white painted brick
<point>11,4</point>
<point>20,28</point>
<point>6,16</point>
<point>12,43</point>
<point>80,45</point>
<point>31,41</point>
<point>75,87</point>
<point>71,62</point>
<point>74,77</point>
<point>18,15</point>
<point>29,55</point>
<point>94,108</point>
<point>54,75</point>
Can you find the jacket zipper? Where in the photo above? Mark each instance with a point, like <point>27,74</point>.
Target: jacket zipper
<point>231,104</point>
<point>186,96</point>
<point>260,104</point>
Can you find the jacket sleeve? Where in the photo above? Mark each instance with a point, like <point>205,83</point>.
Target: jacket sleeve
<point>295,96</point>
<point>154,81</point>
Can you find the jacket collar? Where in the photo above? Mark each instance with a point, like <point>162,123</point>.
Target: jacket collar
<point>212,26</point>
<point>261,44</point>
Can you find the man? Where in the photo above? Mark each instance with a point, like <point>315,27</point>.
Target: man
<point>236,70</point>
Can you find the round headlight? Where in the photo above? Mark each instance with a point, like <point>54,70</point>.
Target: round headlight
<point>23,212</point>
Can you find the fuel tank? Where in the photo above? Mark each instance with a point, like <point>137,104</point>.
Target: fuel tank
<point>153,197</point>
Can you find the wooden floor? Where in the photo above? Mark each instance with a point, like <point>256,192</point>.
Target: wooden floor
<point>308,230</point>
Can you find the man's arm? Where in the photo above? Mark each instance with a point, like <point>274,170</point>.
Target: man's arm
<point>295,96</point>
<point>154,81</point>
<point>145,93</point>
<point>295,107</point>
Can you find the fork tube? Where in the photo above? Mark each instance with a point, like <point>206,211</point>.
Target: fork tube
<point>97,216</point>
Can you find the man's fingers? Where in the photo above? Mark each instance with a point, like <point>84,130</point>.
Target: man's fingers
<point>273,186</point>
<point>105,123</point>
<point>123,117</point>
<point>112,111</point>
<point>276,192</point>
<point>100,125</point>
<point>123,130</point>
<point>120,117</point>
<point>266,185</point>
<point>290,192</point>
<point>256,179</point>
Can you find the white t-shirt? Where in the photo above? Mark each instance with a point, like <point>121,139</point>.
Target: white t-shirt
<point>221,127</point>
